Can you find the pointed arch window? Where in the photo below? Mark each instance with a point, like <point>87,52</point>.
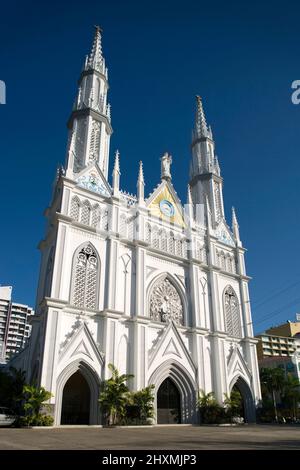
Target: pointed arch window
<point>172,243</point>
<point>164,241</point>
<point>75,208</point>
<point>96,216</point>
<point>123,226</point>
<point>95,141</point>
<point>48,275</point>
<point>85,278</point>
<point>104,220</point>
<point>178,247</point>
<point>148,233</point>
<point>232,313</point>
<point>86,213</point>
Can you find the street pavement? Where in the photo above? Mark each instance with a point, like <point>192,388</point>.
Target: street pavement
<point>178,437</point>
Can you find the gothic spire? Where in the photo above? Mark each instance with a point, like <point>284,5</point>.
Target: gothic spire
<point>116,174</point>
<point>235,226</point>
<point>201,125</point>
<point>90,120</point>
<point>95,59</point>
<point>140,184</point>
<point>190,206</point>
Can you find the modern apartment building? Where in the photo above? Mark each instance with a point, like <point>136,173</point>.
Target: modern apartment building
<point>279,346</point>
<point>14,324</point>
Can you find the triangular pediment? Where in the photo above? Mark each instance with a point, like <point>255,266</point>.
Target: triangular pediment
<point>81,349</point>
<point>92,178</point>
<point>223,234</point>
<point>165,204</point>
<point>171,349</point>
<point>80,343</point>
<point>170,345</point>
<point>237,364</point>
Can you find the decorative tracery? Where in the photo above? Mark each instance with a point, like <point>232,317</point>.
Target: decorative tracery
<point>165,303</point>
<point>232,313</point>
<point>95,141</point>
<point>75,208</point>
<point>85,276</point>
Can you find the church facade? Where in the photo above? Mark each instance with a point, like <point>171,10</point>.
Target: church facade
<point>156,287</point>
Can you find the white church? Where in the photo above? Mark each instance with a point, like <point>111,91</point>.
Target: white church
<point>156,287</point>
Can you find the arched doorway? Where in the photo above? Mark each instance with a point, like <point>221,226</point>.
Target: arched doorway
<point>247,407</point>
<point>76,401</point>
<point>168,403</point>
<point>238,400</point>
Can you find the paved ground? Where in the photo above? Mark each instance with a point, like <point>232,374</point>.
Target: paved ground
<point>159,437</point>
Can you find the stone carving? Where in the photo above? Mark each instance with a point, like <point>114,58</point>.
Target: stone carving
<point>93,183</point>
<point>166,161</point>
<point>165,303</point>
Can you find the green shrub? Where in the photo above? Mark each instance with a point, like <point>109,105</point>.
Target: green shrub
<point>211,412</point>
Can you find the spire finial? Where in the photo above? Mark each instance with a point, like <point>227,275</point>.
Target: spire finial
<point>235,226</point>
<point>116,175</point>
<point>95,59</point>
<point>189,207</point>
<point>201,125</point>
<point>117,162</point>
<point>141,173</point>
<point>189,195</point>
<point>141,185</point>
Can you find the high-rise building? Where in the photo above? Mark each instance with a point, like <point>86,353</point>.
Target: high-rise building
<point>14,325</point>
<point>158,289</point>
<point>279,346</point>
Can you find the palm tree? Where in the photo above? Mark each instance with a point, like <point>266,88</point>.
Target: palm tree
<point>33,399</point>
<point>272,380</point>
<point>210,410</point>
<point>291,393</point>
<point>143,400</point>
<point>115,395</point>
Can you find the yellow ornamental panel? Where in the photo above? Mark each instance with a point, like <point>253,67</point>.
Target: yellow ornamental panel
<point>164,206</point>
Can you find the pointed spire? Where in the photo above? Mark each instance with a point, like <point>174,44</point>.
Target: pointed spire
<point>201,125</point>
<point>235,226</point>
<point>190,207</point>
<point>208,214</point>
<point>140,184</point>
<point>116,174</point>
<point>95,59</point>
<point>141,173</point>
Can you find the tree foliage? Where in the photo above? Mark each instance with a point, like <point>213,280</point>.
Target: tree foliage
<point>141,405</point>
<point>114,396</point>
<point>279,388</point>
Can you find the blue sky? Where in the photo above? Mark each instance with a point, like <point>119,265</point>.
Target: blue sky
<point>240,57</point>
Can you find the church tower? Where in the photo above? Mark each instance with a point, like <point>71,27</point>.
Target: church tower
<point>137,280</point>
<point>89,124</point>
<point>205,176</point>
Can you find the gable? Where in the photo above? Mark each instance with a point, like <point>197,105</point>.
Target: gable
<point>80,344</point>
<point>223,234</point>
<point>168,346</point>
<point>164,203</point>
<point>237,365</point>
<point>92,178</point>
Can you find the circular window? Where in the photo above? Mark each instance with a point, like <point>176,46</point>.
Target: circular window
<point>167,208</point>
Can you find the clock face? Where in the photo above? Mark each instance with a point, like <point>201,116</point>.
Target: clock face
<point>167,208</point>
